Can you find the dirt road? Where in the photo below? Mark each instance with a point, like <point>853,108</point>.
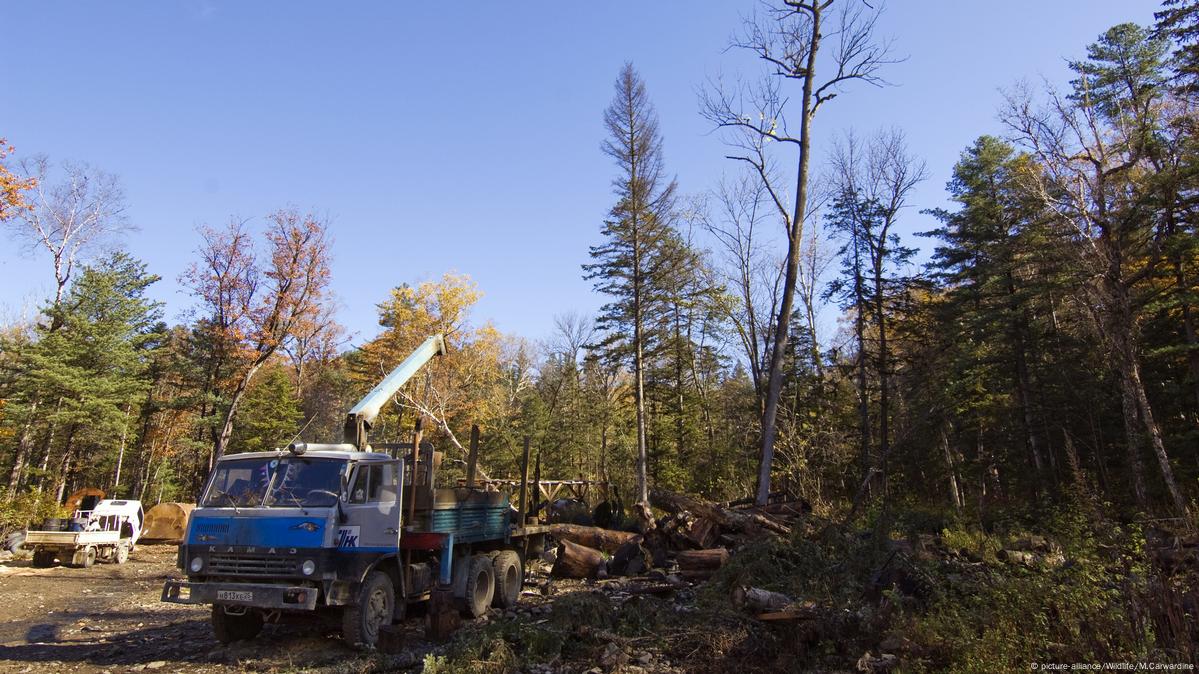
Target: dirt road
<point>109,619</point>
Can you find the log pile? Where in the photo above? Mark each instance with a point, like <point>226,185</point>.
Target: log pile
<point>696,535</point>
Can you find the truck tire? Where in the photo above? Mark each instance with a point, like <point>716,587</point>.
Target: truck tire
<point>228,628</point>
<point>43,558</point>
<point>480,586</point>
<point>121,554</point>
<point>509,578</point>
<point>13,541</point>
<point>362,620</point>
<point>88,559</point>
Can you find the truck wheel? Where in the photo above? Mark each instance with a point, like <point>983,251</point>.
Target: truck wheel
<point>43,558</point>
<point>480,586</point>
<point>89,557</point>
<point>228,628</point>
<point>361,621</point>
<point>509,578</point>
<point>121,555</point>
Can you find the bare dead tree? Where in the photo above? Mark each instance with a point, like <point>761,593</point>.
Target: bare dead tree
<point>788,38</point>
<point>573,331</point>
<point>749,271</point>
<point>68,217</point>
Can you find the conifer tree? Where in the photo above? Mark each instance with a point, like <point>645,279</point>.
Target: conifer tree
<point>635,258</point>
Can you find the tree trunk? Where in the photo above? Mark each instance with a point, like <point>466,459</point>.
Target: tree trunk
<point>243,384</point>
<point>642,505</point>
<point>863,393</point>
<point>1121,333</point>
<point>679,427</point>
<point>955,492</point>
<point>24,447</point>
<point>605,540</point>
<point>49,445</point>
<point>116,481</point>
<point>64,468</point>
<point>1023,382</point>
<point>882,364</point>
<point>774,386</point>
<point>1155,438</point>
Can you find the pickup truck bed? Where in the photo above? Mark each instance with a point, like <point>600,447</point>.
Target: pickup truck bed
<point>71,539</point>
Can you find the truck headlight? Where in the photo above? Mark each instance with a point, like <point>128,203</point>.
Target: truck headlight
<point>308,567</point>
<point>197,563</point>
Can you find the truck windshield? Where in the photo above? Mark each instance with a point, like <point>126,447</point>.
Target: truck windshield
<point>275,482</point>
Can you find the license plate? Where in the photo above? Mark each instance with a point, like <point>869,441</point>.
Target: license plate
<point>234,595</point>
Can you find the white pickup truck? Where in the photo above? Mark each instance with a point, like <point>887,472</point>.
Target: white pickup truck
<point>111,531</point>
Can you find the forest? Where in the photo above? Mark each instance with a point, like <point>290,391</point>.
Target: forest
<point>1029,361</point>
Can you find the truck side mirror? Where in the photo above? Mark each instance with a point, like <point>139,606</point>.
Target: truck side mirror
<point>341,497</point>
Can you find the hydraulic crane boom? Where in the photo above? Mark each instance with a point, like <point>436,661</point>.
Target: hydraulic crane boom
<point>360,418</point>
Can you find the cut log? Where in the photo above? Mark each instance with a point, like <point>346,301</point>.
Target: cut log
<point>166,523</point>
<point>702,533</point>
<point>757,600</point>
<point>606,540</point>
<point>702,560</point>
<point>725,517</point>
<point>577,561</point>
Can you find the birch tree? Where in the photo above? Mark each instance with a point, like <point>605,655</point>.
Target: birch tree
<point>68,217</point>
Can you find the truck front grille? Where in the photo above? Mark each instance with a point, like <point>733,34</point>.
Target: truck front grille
<point>251,565</point>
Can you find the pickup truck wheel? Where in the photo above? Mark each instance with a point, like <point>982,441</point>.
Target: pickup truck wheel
<point>509,578</point>
<point>89,557</point>
<point>480,586</point>
<point>228,628</point>
<point>43,558</point>
<point>121,555</point>
<point>361,621</point>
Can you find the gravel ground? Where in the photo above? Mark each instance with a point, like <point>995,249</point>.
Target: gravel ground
<point>109,619</point>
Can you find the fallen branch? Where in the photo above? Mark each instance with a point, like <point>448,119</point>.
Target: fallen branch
<point>725,517</point>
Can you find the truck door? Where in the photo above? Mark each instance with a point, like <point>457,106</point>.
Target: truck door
<point>372,507</point>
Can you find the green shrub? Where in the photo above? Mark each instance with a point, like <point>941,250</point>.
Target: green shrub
<point>21,510</point>
<point>1004,617</point>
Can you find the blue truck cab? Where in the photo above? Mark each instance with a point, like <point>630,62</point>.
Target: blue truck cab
<point>342,529</point>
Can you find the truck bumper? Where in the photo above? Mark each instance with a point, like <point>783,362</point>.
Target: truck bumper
<point>291,597</point>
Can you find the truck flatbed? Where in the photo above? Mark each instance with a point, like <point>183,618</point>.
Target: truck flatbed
<point>72,538</point>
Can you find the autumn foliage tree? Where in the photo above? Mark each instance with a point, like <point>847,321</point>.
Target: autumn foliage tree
<point>254,305</point>
<point>12,186</point>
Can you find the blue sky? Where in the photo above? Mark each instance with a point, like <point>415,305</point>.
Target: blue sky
<point>450,136</point>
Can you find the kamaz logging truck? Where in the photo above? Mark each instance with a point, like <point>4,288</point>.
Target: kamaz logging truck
<point>345,529</point>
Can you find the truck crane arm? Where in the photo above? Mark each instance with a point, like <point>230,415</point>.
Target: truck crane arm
<point>360,418</point>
